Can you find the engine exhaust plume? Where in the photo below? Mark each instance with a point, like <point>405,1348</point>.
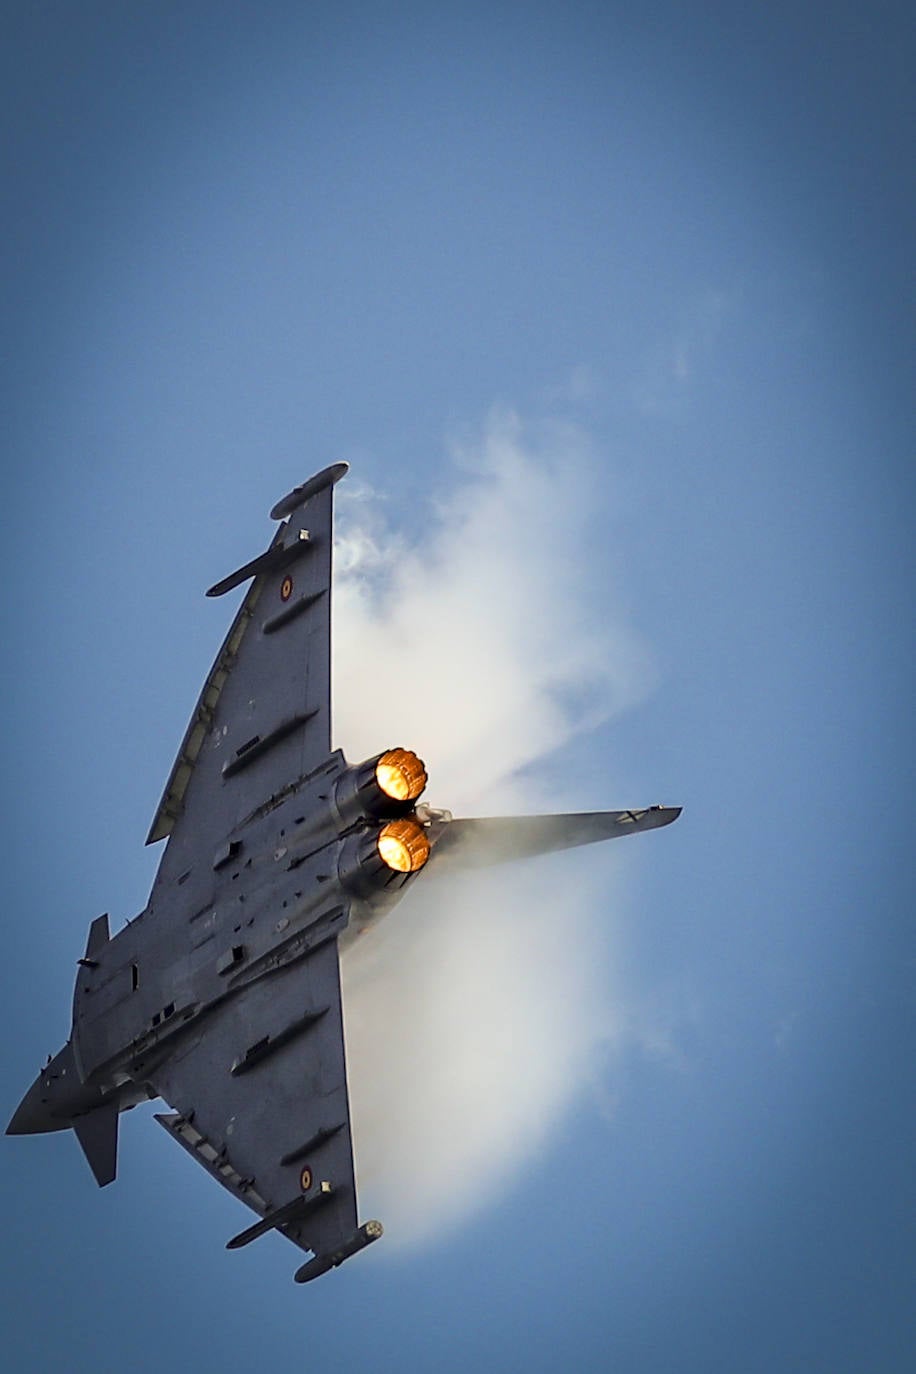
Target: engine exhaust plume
<point>401,775</point>
<point>403,846</point>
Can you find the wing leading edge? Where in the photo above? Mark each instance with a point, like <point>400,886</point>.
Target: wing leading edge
<point>265,708</point>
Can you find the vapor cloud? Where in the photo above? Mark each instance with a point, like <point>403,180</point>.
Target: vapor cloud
<point>475,1010</point>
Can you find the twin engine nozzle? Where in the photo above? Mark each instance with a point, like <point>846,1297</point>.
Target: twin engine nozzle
<point>387,789</point>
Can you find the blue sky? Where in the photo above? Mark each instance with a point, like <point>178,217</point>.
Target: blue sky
<point>611,314</point>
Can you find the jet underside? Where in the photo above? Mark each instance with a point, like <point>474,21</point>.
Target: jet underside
<point>223,996</point>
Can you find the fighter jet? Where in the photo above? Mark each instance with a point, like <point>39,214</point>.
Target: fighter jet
<point>223,996</point>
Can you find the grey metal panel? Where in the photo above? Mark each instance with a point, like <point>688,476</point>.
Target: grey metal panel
<point>263,718</point>
<point>172,799</point>
<point>264,1088</point>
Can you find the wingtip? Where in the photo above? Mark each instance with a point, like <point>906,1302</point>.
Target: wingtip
<point>364,1235</point>
<point>667,814</point>
<point>326,478</point>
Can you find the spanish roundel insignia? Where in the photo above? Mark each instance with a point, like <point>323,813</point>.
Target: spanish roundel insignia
<point>286,588</point>
<point>305,1179</point>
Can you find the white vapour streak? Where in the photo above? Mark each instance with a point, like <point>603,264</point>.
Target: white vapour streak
<point>473,1011</point>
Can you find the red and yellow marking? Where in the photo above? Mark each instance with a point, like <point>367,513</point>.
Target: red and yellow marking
<point>286,588</point>
<point>305,1179</point>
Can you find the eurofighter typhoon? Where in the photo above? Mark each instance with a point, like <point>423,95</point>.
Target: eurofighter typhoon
<point>223,996</point>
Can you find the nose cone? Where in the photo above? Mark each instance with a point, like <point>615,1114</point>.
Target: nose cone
<point>45,1105</point>
<point>33,1115</point>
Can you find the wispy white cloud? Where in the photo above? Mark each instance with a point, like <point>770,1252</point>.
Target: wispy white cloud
<point>469,639</point>
<point>682,359</point>
<point>582,383</point>
<point>476,1010</point>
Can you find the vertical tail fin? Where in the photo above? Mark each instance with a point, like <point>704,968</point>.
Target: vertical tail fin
<point>98,936</point>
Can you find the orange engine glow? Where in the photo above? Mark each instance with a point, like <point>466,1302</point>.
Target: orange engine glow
<point>400,775</point>
<point>403,845</point>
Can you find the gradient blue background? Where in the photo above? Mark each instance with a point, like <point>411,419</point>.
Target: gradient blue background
<point>242,242</point>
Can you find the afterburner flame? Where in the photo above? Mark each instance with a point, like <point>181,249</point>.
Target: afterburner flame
<point>401,775</point>
<point>403,846</point>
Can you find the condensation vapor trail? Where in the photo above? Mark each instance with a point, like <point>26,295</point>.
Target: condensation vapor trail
<point>474,1012</point>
